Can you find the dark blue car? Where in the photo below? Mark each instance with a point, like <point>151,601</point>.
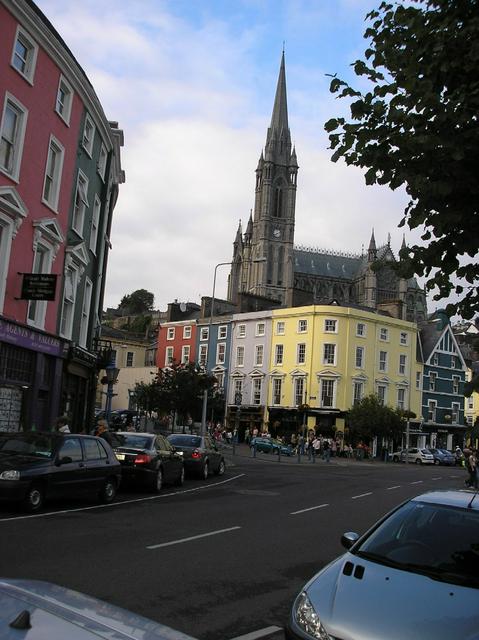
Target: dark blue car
<point>270,445</point>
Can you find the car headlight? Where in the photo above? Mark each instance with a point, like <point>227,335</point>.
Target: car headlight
<point>11,474</point>
<point>308,619</point>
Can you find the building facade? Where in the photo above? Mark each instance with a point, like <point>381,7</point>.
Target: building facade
<point>60,172</point>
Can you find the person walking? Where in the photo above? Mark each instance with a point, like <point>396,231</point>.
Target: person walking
<point>471,467</point>
<point>61,425</point>
<point>326,450</point>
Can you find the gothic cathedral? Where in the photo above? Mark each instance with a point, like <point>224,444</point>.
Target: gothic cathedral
<point>266,263</point>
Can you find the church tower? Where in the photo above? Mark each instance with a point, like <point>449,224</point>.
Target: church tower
<point>267,261</point>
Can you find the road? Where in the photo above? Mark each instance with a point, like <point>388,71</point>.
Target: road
<point>217,559</point>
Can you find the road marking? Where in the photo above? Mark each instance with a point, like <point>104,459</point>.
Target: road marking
<point>117,504</point>
<point>362,495</point>
<point>398,486</point>
<point>438,478</point>
<point>417,482</point>
<point>320,506</point>
<point>202,535</point>
<point>258,634</point>
<point>454,476</point>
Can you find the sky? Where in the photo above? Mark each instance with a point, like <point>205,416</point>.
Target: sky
<point>192,85</point>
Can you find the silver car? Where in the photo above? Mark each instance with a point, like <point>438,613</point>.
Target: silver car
<point>415,574</point>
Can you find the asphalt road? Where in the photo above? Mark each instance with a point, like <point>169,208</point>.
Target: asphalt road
<point>217,559</point>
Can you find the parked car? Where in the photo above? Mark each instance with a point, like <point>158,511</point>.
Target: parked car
<point>38,610</point>
<point>36,466</point>
<point>148,459</point>
<point>419,456</point>
<point>443,456</point>
<point>271,445</point>
<point>420,559</point>
<point>200,454</point>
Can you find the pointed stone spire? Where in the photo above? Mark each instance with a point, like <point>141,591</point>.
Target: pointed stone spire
<point>249,228</point>
<point>372,251</point>
<point>239,236</point>
<point>278,139</point>
<point>294,160</point>
<point>403,244</point>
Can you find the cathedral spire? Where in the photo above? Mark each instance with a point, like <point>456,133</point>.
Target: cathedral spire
<point>372,251</point>
<point>279,139</point>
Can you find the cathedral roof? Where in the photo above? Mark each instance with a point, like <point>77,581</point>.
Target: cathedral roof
<point>331,265</point>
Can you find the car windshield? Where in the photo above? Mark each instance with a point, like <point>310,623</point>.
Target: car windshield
<point>439,541</point>
<point>134,441</point>
<point>38,445</point>
<point>185,441</point>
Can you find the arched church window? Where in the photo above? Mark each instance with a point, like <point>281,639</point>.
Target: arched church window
<point>278,202</point>
<point>280,265</point>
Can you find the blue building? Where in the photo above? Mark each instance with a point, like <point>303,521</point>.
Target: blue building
<point>442,385</point>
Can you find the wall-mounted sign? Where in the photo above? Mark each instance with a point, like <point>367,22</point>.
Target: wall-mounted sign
<point>39,286</point>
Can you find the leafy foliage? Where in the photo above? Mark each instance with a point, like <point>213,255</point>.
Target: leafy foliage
<point>417,128</point>
<point>369,418</point>
<point>140,301</point>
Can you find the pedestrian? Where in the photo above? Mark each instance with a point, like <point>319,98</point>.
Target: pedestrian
<point>471,468</point>
<point>326,450</point>
<point>316,444</point>
<point>61,425</point>
<point>102,431</point>
<point>301,444</point>
<point>247,436</point>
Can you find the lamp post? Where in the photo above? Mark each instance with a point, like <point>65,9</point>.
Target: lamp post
<point>111,378</point>
<point>210,324</point>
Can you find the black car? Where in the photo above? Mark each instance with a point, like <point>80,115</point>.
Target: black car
<point>200,454</point>
<point>149,459</point>
<point>36,465</point>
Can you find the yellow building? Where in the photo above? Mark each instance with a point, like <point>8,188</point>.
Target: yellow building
<point>471,413</point>
<point>325,358</point>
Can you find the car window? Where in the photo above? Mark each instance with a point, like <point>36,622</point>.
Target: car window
<point>32,444</point>
<point>161,443</point>
<point>135,441</point>
<point>94,450</point>
<point>71,448</point>
<point>185,441</point>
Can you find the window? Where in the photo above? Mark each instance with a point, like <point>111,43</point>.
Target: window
<point>24,55</point>
<point>259,355</point>
<point>455,408</point>
<point>277,387</point>
<point>401,399</point>
<point>14,122</point>
<point>455,384</point>
<point>69,298</point>
<point>402,364</point>
<point>85,313</point>
<point>359,357</point>
<point>301,353</point>
<point>280,328</point>
<point>260,328</point>
<point>42,263</point>
<point>381,393</point>
<point>94,450</point>
<point>327,393</point>
<point>241,330</point>
<point>220,353</point>
<point>102,158</point>
<point>53,172</point>
<point>71,448</point>
<point>358,391</point>
<point>418,379</point>
<point>129,358</point>
<point>454,362</point>
<point>403,338</point>
<point>383,334</point>
<point>185,354</point>
<point>203,354</point>
<point>238,391</point>
<point>299,398</point>
<point>329,354</point>
<point>278,354</point>
<point>470,402</point>
<point>168,356</point>
<point>431,410</point>
<point>187,332</point>
<point>88,135</point>
<point>240,356</point>
<point>220,378</point>
<point>361,330</point>
<point>330,326</point>
<point>222,332</point>
<point>435,359</point>
<point>63,105</point>
<point>302,326</point>
<point>81,204</point>
<point>383,361</point>
<point>432,381</point>
<point>95,221</point>
<point>170,333</point>
<point>204,333</point>
<point>256,391</point>
<point>6,234</point>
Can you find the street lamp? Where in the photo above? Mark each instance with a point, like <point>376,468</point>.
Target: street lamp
<point>111,374</point>
<point>210,324</point>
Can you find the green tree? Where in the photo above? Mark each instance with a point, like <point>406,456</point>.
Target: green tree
<point>369,418</point>
<point>140,301</point>
<point>417,128</point>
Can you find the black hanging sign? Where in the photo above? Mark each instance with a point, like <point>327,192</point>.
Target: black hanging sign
<point>39,286</point>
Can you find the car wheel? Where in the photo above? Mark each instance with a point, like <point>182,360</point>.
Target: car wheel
<point>395,459</point>
<point>221,468</point>
<point>436,462</point>
<point>108,493</point>
<point>34,499</point>
<point>205,471</point>
<point>418,461</point>
<point>181,479</point>
<point>157,483</point>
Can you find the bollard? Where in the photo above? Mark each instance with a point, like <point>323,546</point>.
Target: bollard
<point>299,455</point>
<point>279,454</point>
<point>254,450</point>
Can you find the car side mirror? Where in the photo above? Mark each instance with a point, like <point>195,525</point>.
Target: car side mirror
<point>349,538</point>
<point>64,460</point>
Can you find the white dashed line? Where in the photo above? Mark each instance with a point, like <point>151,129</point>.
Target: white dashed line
<point>438,478</point>
<point>417,482</point>
<point>202,535</point>
<point>320,506</point>
<point>258,634</point>
<point>398,486</point>
<point>362,495</point>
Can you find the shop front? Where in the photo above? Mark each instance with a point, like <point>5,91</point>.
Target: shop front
<point>79,388</point>
<point>242,417</point>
